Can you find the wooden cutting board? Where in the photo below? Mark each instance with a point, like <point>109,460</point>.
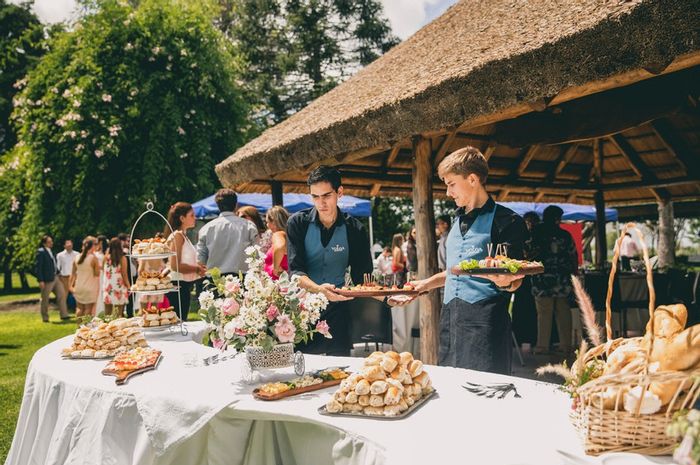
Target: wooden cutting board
<point>123,375</point>
<point>374,292</point>
<point>293,392</point>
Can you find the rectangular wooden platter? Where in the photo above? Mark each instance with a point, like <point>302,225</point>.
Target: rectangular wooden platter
<point>374,293</point>
<point>123,375</point>
<point>478,271</point>
<point>297,391</point>
<point>418,404</point>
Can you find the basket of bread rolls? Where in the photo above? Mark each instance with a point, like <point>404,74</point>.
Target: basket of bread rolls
<point>389,385</point>
<point>626,390</point>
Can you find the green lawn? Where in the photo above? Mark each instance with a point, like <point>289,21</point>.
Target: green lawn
<point>21,334</point>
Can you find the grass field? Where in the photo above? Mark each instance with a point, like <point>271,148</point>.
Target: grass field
<point>21,334</point>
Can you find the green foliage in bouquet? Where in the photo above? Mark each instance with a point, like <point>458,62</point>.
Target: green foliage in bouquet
<point>685,427</point>
<point>138,102</point>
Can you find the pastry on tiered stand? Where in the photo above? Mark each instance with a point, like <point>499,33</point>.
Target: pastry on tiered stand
<point>152,281</point>
<point>105,339</point>
<point>153,316</point>
<point>388,384</point>
<point>153,246</point>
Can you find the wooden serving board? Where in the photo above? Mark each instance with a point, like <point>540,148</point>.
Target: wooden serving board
<point>123,375</point>
<point>374,293</point>
<point>531,270</point>
<point>297,391</point>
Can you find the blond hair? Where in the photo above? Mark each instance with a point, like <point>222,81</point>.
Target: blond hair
<point>465,161</point>
<point>278,216</point>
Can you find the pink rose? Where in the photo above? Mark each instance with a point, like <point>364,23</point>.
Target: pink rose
<point>232,287</point>
<point>230,307</point>
<point>284,329</point>
<point>217,343</point>
<point>240,332</point>
<point>272,312</point>
<point>322,327</point>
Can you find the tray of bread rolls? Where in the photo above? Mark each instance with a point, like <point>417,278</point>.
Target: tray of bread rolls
<point>105,340</point>
<point>389,386</point>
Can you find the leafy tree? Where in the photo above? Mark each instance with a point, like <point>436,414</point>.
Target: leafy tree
<point>298,50</point>
<point>138,103</point>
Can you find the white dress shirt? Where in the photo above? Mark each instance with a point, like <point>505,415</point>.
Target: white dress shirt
<point>64,262</point>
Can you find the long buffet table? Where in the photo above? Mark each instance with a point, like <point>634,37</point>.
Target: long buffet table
<point>179,414</point>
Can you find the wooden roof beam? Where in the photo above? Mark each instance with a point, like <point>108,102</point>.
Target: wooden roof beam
<point>490,149</point>
<point>376,187</point>
<point>565,157</point>
<point>393,154</point>
<point>675,144</point>
<point>444,147</point>
<point>638,165</point>
<point>529,155</point>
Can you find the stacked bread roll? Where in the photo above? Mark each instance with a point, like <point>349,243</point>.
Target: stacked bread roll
<point>153,280</point>
<point>106,339</point>
<point>153,316</point>
<point>388,384</point>
<point>153,246</point>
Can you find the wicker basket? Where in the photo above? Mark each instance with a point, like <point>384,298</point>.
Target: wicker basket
<point>617,430</point>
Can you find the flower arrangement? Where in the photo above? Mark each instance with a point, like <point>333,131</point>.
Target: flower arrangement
<point>259,312</point>
<point>686,429</point>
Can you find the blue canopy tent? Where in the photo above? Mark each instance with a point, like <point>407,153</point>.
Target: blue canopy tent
<point>206,208</point>
<point>572,211</point>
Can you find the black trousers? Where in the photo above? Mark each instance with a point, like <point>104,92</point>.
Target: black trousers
<point>337,315</point>
<point>185,294</point>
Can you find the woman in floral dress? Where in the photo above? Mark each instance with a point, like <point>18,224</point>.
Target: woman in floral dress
<point>115,279</point>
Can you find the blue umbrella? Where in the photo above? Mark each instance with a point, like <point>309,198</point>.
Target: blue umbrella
<point>206,208</point>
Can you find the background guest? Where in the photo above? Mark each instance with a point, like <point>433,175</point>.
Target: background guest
<point>384,262</point>
<point>85,279</point>
<point>181,218</point>
<point>46,274</point>
<point>64,262</point>
<point>222,242</point>
<point>398,260</point>
<point>101,247</point>
<point>555,248</point>
<point>276,257</point>
<point>628,251</point>
<point>264,235</point>
<point>442,226</point>
<point>115,279</point>
<point>411,253</point>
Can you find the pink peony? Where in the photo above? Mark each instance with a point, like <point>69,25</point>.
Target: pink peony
<point>230,307</point>
<point>240,332</point>
<point>322,327</point>
<point>217,343</point>
<point>272,312</point>
<point>284,329</point>
<point>232,287</point>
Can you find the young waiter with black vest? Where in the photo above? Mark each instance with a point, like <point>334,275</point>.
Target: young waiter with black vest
<point>322,243</point>
<point>475,328</point>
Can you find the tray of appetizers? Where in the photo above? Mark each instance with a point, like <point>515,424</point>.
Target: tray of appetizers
<point>382,413</point>
<point>132,362</point>
<point>318,380</point>
<point>364,290</point>
<point>497,265</point>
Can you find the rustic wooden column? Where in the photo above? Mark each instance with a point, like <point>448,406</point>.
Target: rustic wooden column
<point>667,239</point>
<point>426,247</point>
<point>277,197</point>
<point>601,245</point>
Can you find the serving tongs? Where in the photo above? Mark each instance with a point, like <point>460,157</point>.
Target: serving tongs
<point>498,391</point>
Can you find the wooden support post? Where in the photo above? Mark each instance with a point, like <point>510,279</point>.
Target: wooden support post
<point>667,242</point>
<point>601,247</point>
<point>426,248</point>
<point>277,197</point>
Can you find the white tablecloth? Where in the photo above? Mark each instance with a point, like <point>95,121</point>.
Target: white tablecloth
<point>71,414</point>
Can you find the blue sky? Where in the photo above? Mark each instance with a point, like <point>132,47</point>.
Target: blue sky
<point>405,16</point>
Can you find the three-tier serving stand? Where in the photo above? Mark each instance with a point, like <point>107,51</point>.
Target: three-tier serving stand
<point>163,256</point>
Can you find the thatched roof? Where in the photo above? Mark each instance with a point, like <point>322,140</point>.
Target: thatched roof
<point>480,63</point>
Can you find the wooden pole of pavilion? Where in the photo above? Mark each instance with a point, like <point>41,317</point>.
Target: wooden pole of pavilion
<point>426,247</point>
<point>277,197</point>
<point>667,240</point>
<point>601,246</point>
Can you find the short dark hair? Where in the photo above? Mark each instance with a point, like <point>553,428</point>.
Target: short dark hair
<point>327,174</point>
<point>552,214</point>
<point>445,219</point>
<point>226,200</point>
<point>123,237</point>
<point>67,240</point>
<point>45,238</point>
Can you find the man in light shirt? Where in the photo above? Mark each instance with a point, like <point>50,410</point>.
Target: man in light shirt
<point>384,262</point>
<point>628,251</point>
<point>222,242</point>
<point>64,263</point>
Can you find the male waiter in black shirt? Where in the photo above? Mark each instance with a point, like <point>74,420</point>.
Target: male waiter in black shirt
<point>475,328</point>
<point>322,243</point>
